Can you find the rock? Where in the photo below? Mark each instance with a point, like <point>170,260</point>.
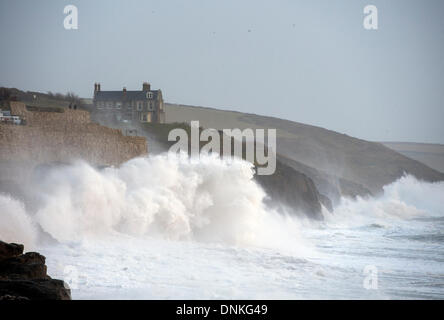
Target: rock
<point>37,289</point>
<point>15,298</point>
<point>24,276</point>
<point>9,250</point>
<point>290,189</point>
<point>30,265</point>
<point>28,257</point>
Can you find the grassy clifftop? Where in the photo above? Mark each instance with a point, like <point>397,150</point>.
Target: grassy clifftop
<point>349,165</point>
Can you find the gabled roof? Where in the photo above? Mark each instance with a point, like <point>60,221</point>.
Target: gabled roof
<point>129,95</point>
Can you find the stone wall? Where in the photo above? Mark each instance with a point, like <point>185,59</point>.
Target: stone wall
<point>36,116</point>
<point>50,137</point>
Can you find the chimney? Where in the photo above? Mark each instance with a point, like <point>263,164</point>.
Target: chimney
<point>98,87</point>
<point>95,90</point>
<point>146,86</point>
<point>124,91</point>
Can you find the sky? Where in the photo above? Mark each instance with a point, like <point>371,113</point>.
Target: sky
<point>309,61</point>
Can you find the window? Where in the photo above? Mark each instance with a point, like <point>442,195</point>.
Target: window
<point>139,106</point>
<point>150,106</point>
<point>149,95</point>
<point>118,105</point>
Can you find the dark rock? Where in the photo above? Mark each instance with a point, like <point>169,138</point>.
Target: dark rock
<point>14,298</point>
<point>9,250</point>
<point>28,258</point>
<point>293,190</point>
<point>37,289</point>
<point>329,185</point>
<point>24,276</point>
<point>27,266</point>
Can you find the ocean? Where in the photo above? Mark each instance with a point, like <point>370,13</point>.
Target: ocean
<point>175,228</point>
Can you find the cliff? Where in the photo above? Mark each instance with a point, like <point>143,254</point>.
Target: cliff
<point>24,276</point>
<point>338,164</point>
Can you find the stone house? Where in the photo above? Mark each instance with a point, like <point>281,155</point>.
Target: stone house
<point>145,105</point>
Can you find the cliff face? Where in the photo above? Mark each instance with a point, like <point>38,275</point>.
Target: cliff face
<point>60,135</point>
<point>291,189</point>
<point>328,185</point>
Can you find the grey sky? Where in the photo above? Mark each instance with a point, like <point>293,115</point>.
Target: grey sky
<point>307,61</point>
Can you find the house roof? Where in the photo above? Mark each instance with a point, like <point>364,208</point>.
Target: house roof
<point>129,95</point>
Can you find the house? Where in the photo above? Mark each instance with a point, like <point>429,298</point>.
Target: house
<point>145,105</point>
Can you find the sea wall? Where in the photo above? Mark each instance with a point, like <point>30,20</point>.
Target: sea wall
<point>61,143</point>
<point>51,136</point>
<point>37,116</point>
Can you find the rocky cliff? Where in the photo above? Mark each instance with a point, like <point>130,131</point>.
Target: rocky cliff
<point>23,276</point>
<point>292,190</point>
